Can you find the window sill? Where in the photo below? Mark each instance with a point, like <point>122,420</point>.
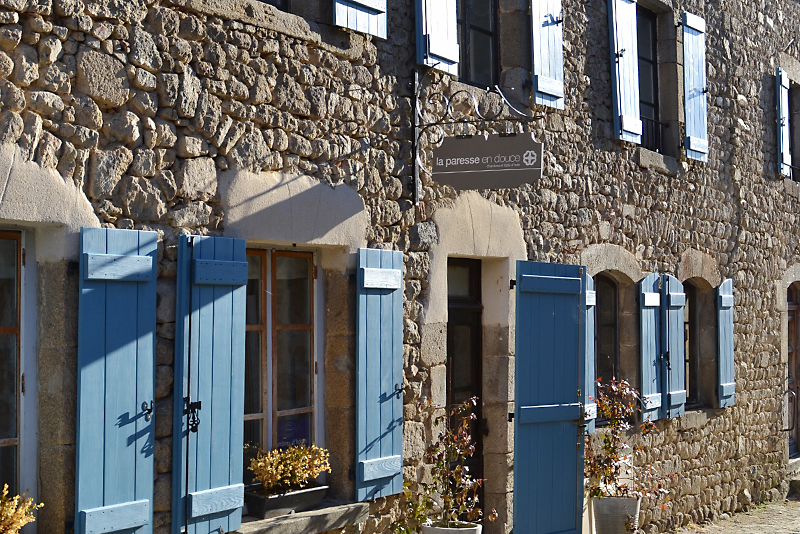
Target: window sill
<point>657,162</point>
<point>330,515</point>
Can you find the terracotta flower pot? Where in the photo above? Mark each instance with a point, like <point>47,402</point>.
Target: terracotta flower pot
<point>613,514</point>
<point>465,528</point>
<point>266,506</point>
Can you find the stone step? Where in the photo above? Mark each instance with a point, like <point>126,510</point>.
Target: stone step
<point>793,468</point>
<point>794,487</point>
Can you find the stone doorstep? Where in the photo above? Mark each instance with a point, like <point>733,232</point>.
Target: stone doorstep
<point>328,517</point>
<point>793,468</point>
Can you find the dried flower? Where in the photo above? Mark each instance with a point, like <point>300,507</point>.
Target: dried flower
<point>15,512</point>
<point>282,470</point>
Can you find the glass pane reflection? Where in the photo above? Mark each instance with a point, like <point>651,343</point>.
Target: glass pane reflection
<point>294,429</point>
<point>8,282</point>
<point>292,290</point>
<point>8,386</point>
<point>294,369</point>
<point>253,389</point>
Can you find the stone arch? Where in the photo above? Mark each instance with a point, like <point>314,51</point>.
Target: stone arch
<point>614,259</point>
<point>698,266</point>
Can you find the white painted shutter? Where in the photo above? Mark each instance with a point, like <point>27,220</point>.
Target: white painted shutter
<point>625,70</point>
<point>365,16</point>
<point>547,25</point>
<point>437,35</point>
<point>695,86</point>
<point>784,147</point>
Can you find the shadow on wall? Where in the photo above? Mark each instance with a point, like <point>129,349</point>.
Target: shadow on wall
<point>287,208</point>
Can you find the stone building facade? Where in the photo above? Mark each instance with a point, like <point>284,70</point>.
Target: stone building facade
<point>240,119</point>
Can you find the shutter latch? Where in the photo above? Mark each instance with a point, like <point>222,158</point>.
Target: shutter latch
<point>148,411</point>
<point>191,410</point>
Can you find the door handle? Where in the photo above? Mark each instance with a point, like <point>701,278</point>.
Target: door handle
<point>794,419</point>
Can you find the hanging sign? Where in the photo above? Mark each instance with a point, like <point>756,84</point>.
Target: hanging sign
<point>488,162</point>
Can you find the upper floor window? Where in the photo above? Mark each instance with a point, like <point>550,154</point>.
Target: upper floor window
<point>606,329</point>
<point>652,130</point>
<point>477,39</point>
<point>10,247</point>
<point>279,349</point>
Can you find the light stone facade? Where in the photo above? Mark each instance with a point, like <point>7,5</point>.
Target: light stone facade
<point>193,116</point>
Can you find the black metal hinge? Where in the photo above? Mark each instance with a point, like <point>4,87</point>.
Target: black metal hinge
<point>512,284</point>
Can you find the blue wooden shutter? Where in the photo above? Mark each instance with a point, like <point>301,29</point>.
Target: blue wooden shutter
<point>547,26</point>
<point>379,374</point>
<point>548,444</point>
<point>437,34</point>
<point>695,86</point>
<point>590,406</point>
<point>625,70</point>
<point>673,302</point>
<point>650,346</point>
<point>727,377</point>
<point>784,143</point>
<point>365,16</point>
<point>209,369</point>
<point>116,360</point>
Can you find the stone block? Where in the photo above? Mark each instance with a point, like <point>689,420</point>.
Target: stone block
<point>498,470</point>
<point>58,394</point>
<point>500,439</point>
<point>59,492</point>
<point>163,455</point>
<point>413,441</point>
<point>162,493</point>
<point>340,424</point>
<point>106,168</point>
<point>197,179</point>
<point>498,378</point>
<point>164,379</point>
<point>144,53</point>
<point>503,504</point>
<point>102,77</point>
<point>438,385</point>
<point>340,371</point>
<point>163,417</point>
<point>191,216</point>
<point>433,344</point>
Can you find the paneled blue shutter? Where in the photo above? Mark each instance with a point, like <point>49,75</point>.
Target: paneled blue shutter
<point>625,70</point>
<point>437,34</point>
<point>590,406</point>
<point>695,86</point>
<point>673,302</point>
<point>365,16</point>
<point>209,375</point>
<point>727,377</point>
<point>650,346</point>
<point>548,444</point>
<point>116,360</point>
<point>379,374</point>
<point>547,25</point>
<point>784,143</point>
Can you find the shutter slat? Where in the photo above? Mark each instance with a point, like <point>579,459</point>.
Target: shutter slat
<point>784,126</point>
<point>726,376</point>
<point>208,272</point>
<point>379,375</point>
<point>365,16</point>
<point>116,361</point>
<point>216,500</point>
<point>650,348</point>
<point>672,336</point>
<point>590,406</point>
<point>625,70</point>
<point>548,53</point>
<point>694,90</point>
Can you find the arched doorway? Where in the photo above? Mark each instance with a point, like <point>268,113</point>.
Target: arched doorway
<point>793,379</point>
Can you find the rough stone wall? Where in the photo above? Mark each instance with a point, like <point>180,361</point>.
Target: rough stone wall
<point>140,105</point>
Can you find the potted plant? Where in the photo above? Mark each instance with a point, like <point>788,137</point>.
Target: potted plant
<point>285,477</point>
<point>450,502</point>
<point>15,512</point>
<point>617,483</point>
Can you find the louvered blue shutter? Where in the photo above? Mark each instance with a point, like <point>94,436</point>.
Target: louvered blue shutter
<point>727,378</point>
<point>547,25</point>
<point>379,374</point>
<point>650,346</point>
<point>590,406</point>
<point>209,371</point>
<point>365,16</point>
<point>548,444</point>
<point>437,35</point>
<point>116,360</point>
<point>625,70</point>
<point>784,146</point>
<point>695,86</point>
<point>673,302</point>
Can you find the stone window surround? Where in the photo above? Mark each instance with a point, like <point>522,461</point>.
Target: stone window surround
<point>792,68</point>
<point>790,276</point>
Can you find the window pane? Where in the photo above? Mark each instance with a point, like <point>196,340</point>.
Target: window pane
<point>462,363</point>
<point>254,289</point>
<point>294,369</point>
<point>8,282</point>
<point>253,442</point>
<point>8,386</point>
<point>294,429</point>
<point>460,9</point>
<point>8,469</point>
<point>480,14</point>
<point>647,78</point>
<point>646,36</point>
<point>253,371</point>
<point>458,281</point>
<point>606,330</point>
<point>292,290</point>
<point>481,58</point>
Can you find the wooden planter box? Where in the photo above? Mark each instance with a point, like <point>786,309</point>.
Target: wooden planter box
<point>264,507</point>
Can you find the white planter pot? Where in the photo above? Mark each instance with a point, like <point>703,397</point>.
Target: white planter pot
<point>467,528</point>
<point>611,514</point>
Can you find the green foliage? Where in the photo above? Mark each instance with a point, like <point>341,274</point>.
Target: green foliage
<point>611,467</point>
<point>15,512</point>
<point>452,497</point>
<point>288,469</point>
